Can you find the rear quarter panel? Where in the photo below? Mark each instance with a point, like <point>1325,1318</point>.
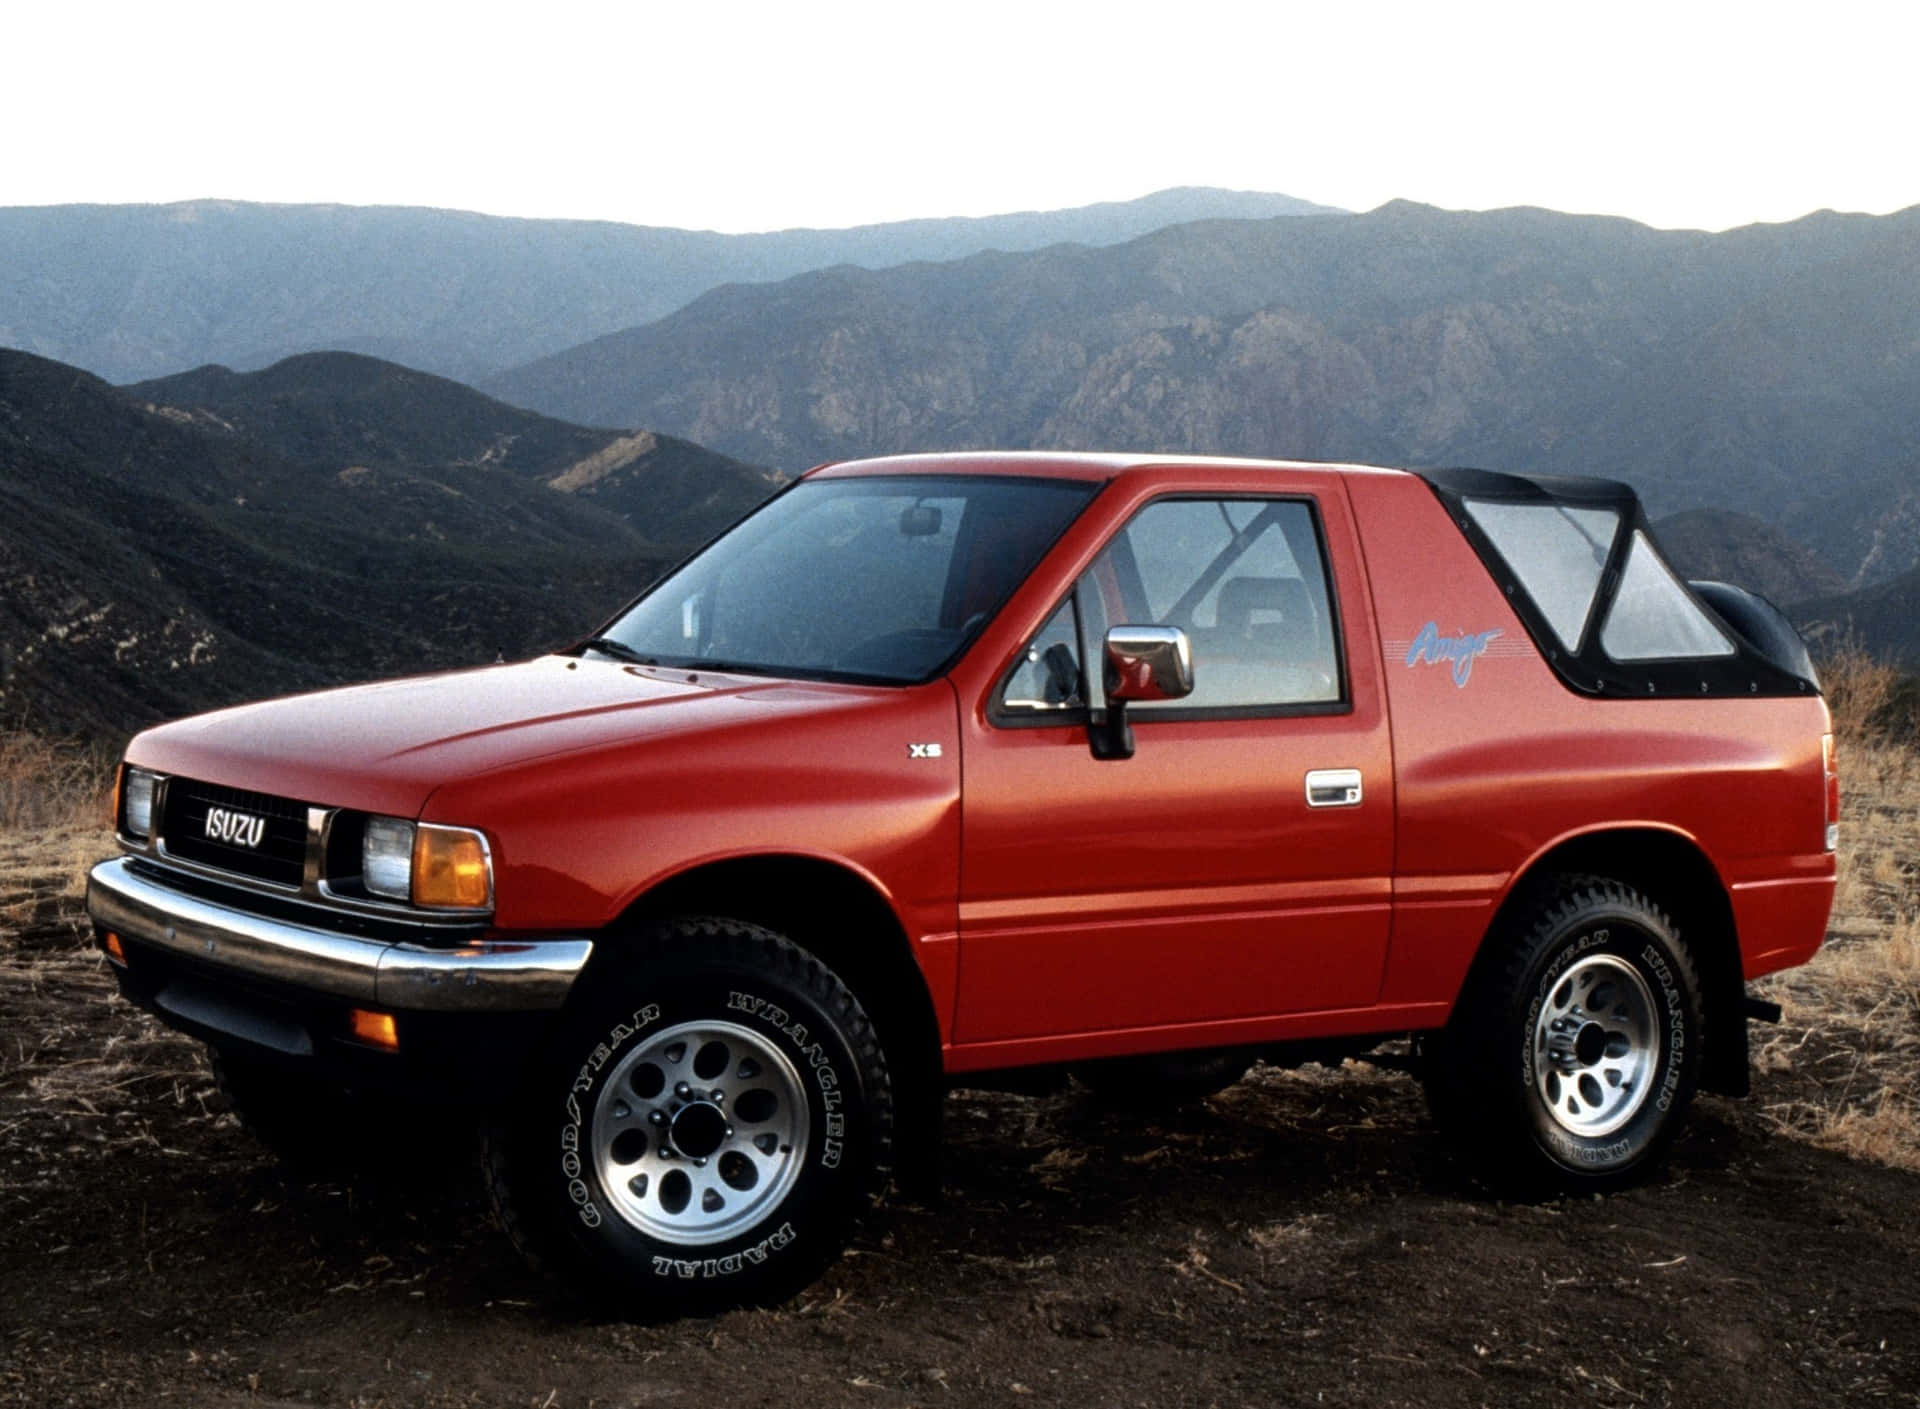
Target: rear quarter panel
<point>1498,762</point>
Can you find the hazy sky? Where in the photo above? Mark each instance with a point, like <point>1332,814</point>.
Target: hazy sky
<point>750,117</point>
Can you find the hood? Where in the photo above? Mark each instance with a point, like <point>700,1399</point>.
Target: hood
<point>385,747</point>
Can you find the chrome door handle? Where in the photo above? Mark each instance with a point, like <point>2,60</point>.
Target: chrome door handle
<point>1333,787</point>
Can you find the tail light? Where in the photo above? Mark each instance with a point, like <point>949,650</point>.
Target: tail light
<point>1833,791</point>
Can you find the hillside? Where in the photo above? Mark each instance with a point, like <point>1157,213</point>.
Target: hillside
<point>474,468</point>
<point>140,291</point>
<point>160,559</point>
<point>1719,545</point>
<point>1770,367</point>
<point>1885,619</point>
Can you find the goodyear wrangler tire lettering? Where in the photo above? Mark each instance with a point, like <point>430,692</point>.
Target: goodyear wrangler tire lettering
<point>726,1266</point>
<point>1571,1057</point>
<point>726,1116</point>
<point>570,1166</point>
<point>815,1054</point>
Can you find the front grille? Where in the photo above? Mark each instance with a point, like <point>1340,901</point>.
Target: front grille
<point>280,853</point>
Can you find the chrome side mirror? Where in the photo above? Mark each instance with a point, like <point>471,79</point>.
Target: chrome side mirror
<point>1147,664</point>
<point>1144,665</point>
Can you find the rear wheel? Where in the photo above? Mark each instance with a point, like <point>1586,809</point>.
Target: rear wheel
<point>1572,1058</point>
<point>709,1129</point>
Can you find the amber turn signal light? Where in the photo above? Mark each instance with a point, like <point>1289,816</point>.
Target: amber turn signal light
<point>451,867</point>
<point>374,1029</point>
<point>116,951</point>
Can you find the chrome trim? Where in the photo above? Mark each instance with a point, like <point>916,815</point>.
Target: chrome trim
<point>161,783</point>
<point>322,897</point>
<point>314,869</point>
<point>1148,664</point>
<point>326,897</point>
<point>320,889</point>
<point>485,976</point>
<point>1333,787</point>
<point>471,979</point>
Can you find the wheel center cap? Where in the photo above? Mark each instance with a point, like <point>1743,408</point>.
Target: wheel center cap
<point>698,1129</point>
<point>1591,1045</point>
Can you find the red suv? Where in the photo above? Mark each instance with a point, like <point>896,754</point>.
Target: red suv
<point>937,767</point>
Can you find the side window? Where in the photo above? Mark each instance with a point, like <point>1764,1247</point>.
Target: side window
<point>1048,676</point>
<point>1652,617</point>
<point>1557,552</point>
<point>1246,579</point>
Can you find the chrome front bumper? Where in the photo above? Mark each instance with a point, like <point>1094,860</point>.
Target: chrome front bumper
<point>484,976</point>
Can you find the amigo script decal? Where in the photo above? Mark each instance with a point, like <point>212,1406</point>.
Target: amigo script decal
<point>1431,648</point>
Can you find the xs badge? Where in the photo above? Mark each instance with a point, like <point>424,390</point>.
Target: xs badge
<point>923,750</point>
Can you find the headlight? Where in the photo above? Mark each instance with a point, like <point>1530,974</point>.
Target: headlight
<point>136,802</point>
<point>427,864</point>
<point>386,858</point>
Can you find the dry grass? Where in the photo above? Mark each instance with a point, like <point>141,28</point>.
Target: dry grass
<point>1872,701</point>
<point>54,800</point>
<point>1843,1068</point>
<point>46,783</point>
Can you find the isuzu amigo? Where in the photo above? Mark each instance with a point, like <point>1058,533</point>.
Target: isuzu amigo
<point>937,768</point>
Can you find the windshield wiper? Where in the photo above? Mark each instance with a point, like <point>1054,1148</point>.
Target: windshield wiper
<point>728,667</point>
<point>607,646</point>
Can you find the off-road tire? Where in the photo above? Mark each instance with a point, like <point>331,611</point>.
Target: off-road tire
<point>1576,1049</point>
<point>645,1171</point>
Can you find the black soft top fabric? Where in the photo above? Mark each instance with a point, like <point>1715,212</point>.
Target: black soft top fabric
<point>1748,671</point>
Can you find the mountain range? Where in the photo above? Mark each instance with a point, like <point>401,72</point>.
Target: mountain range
<point>216,536</point>
<point>139,291</point>
<point>213,534</point>
<point>1771,368</point>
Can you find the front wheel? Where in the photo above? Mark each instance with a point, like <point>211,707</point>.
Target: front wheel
<point>708,1130</point>
<point>1573,1056</point>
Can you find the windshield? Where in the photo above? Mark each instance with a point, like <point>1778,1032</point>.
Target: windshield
<point>871,579</point>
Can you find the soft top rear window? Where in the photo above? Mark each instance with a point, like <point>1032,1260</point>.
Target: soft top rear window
<point>1586,577</point>
<point>1558,551</point>
<point>1653,618</point>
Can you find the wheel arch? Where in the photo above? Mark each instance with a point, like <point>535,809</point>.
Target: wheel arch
<point>846,921</point>
<point>1671,870</point>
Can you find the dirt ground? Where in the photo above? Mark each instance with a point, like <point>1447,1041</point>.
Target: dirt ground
<point>1302,1238</point>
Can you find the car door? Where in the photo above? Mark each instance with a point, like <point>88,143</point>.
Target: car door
<point>1237,865</point>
